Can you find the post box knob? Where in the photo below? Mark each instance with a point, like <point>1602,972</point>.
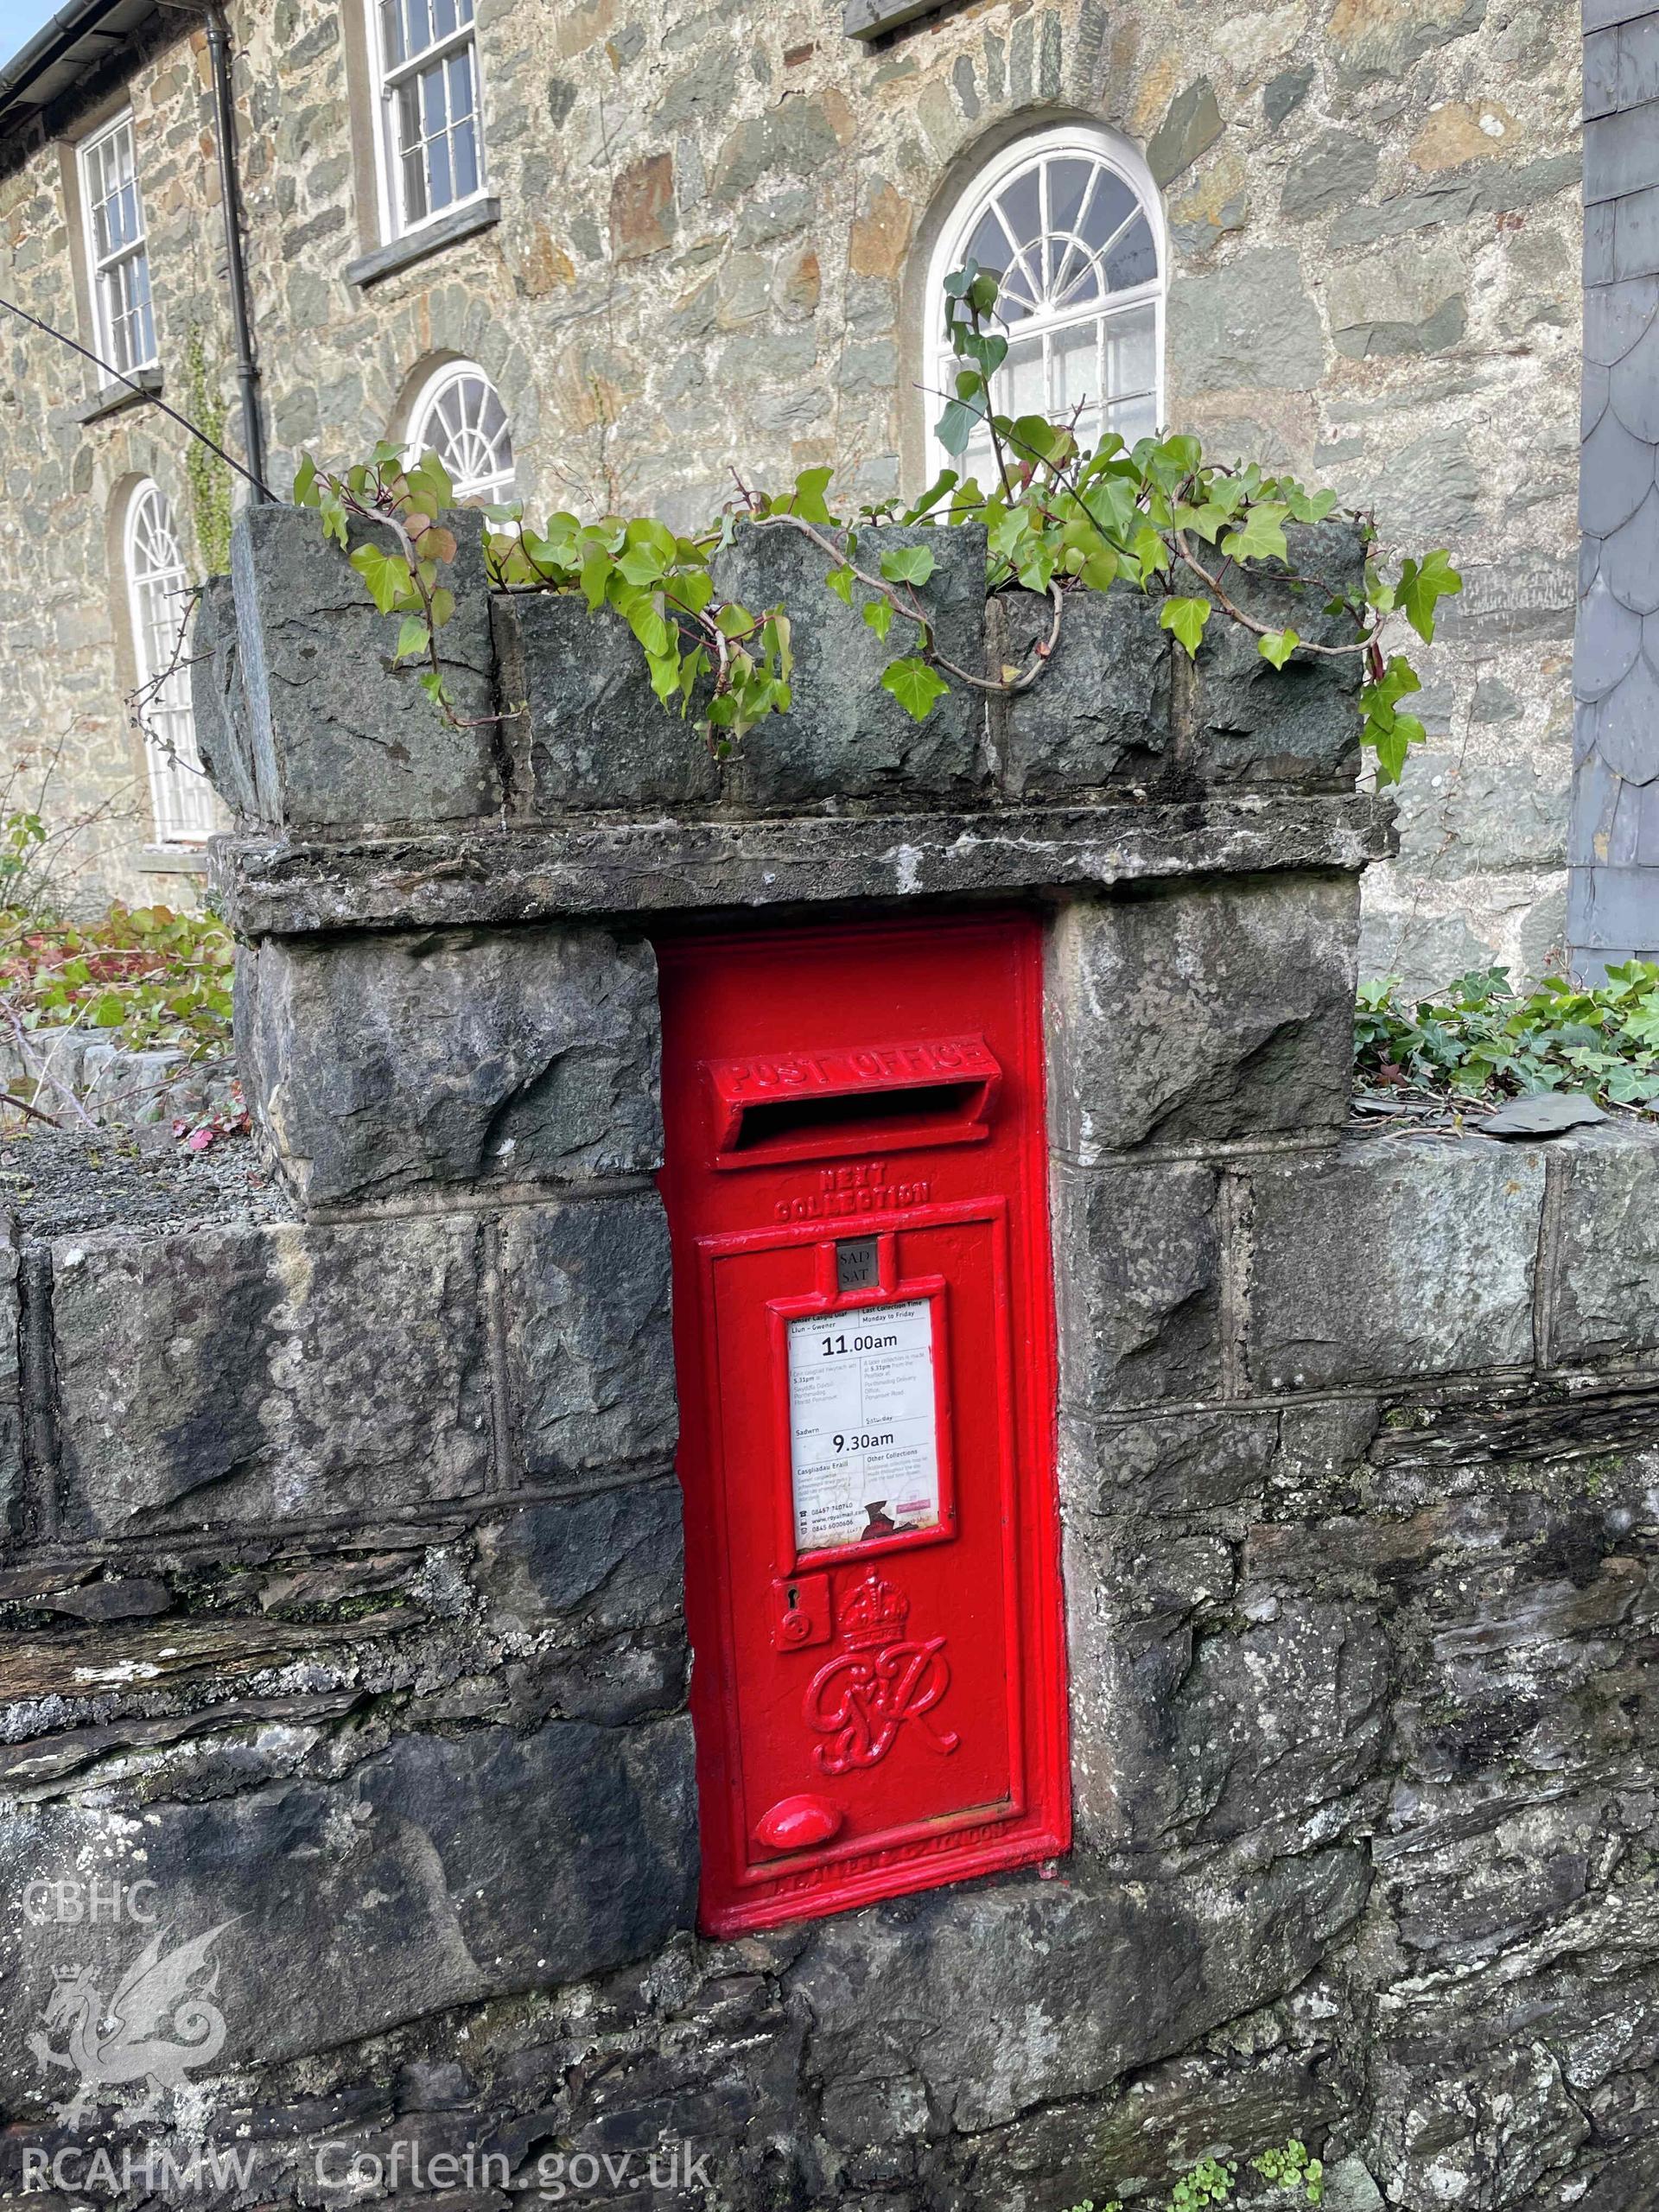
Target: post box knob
<point>795,1823</point>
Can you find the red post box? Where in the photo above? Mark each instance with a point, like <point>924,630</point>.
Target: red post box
<point>855,1188</point>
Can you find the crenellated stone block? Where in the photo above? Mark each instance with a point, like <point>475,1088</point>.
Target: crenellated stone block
<point>339,736</point>
<point>845,741</point>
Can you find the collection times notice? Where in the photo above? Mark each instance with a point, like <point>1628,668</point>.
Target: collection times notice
<point>863,1423</point>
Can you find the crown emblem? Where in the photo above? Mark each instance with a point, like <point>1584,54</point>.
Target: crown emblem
<point>874,1611</point>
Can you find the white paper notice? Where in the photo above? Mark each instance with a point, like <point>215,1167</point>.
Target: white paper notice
<point>864,1447</point>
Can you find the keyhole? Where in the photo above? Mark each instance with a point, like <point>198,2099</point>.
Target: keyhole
<point>794,1597</point>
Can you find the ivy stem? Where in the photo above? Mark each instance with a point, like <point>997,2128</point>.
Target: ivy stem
<point>384,509</point>
<point>912,613</point>
<point>1248,621</point>
<point>413,560</point>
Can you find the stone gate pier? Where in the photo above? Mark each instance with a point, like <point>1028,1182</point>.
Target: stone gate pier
<point>345,1582</point>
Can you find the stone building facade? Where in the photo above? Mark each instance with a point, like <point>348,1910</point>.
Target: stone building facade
<point>702,240</point>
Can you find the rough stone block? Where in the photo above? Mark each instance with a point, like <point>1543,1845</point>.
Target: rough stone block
<point>1605,1295</point>
<point>1510,815</point>
<point>845,737</point>
<point>995,1996</point>
<point>1252,323</point>
<point>1215,1011</point>
<point>1098,719</point>
<point>614,1557</point>
<point>442,1871</point>
<point>1428,2139</point>
<point>1125,1676</point>
<point>218,709</point>
<point>1191,126</point>
<point>1276,1722</point>
<point>1240,720</point>
<point>1394,1260</point>
<point>241,1376</point>
<point>10,1313</point>
<point>587,1592</point>
<point>600,869</point>
<point>1180,1736</point>
<point>590,733</point>
<point>1138,1265</point>
<point>377,1063</point>
<point>342,737</point>
<point>133,1089</point>
<point>590,1358</point>
<point>1178,1464</point>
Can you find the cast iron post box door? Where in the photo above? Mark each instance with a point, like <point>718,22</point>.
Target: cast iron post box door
<point>855,1185</point>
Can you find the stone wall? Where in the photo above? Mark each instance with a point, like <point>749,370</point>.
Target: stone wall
<point>344,1582</point>
<point>708,251</point>
<point>80,1080</point>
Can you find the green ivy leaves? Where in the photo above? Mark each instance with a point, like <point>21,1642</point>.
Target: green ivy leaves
<point>1480,1038</point>
<point>155,977</point>
<point>1261,536</point>
<point>1089,520</point>
<point>388,576</point>
<point>406,498</point>
<point>1187,618</point>
<point>1391,732</point>
<point>1060,518</point>
<point>914,685</point>
<point>1422,585</point>
<point>735,665</point>
<point>911,565</point>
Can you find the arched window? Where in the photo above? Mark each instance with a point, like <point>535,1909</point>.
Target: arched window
<point>458,416</point>
<point>158,603</point>
<point>1069,217</point>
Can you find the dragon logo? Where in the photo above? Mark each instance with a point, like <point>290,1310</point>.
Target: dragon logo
<point>160,2024</point>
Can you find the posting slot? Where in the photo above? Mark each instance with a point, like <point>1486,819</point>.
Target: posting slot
<point>827,1103</point>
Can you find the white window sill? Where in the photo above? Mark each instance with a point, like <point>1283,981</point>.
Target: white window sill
<point>112,399</point>
<point>446,229</point>
<point>173,860</point>
<point>872,19</point>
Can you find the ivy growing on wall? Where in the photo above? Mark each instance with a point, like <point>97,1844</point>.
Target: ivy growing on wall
<point>1059,519</point>
<point>1287,2168</point>
<point>208,473</point>
<point>1480,1038</point>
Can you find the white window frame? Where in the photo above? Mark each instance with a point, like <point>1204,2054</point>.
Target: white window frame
<point>181,799</point>
<point>102,270</point>
<point>447,373</point>
<point>395,221</point>
<point>1092,143</point>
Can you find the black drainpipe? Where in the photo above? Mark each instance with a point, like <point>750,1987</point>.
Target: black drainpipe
<point>247,368</point>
